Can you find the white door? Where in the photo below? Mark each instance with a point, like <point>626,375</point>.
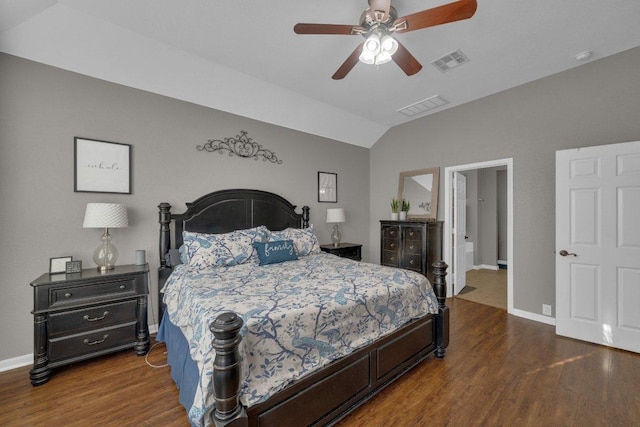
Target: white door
<point>598,244</point>
<point>459,230</point>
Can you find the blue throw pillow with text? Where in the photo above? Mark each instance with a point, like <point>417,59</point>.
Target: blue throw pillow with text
<point>275,251</point>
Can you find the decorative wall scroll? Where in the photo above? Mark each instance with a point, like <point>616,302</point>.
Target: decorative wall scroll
<point>242,146</point>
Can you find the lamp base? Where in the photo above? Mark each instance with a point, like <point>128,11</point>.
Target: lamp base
<point>336,236</point>
<point>105,255</point>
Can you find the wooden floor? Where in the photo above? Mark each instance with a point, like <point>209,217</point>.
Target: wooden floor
<point>499,370</point>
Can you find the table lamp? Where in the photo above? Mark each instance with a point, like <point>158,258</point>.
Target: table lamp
<point>105,215</point>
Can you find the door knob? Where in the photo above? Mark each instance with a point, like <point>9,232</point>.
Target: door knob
<point>565,253</point>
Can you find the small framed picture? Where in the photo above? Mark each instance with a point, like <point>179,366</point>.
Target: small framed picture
<point>59,264</point>
<point>327,187</point>
<point>73,267</point>
<point>101,166</point>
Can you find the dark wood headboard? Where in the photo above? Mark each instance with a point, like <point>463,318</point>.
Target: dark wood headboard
<point>222,212</point>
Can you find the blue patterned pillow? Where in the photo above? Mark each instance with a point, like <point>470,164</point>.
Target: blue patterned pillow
<point>276,251</point>
<point>219,250</point>
<point>304,239</point>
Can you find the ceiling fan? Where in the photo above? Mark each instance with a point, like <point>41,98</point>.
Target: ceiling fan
<point>377,25</point>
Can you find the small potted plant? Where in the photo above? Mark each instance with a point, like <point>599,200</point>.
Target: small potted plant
<point>406,205</point>
<point>395,206</point>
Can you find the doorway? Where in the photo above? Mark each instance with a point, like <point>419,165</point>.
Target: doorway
<point>451,223</point>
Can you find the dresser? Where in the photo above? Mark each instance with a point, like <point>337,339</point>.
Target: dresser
<point>344,250</point>
<point>88,314</point>
<point>413,245</point>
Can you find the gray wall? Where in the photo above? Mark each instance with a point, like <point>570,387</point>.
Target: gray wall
<point>596,103</point>
<point>41,110</point>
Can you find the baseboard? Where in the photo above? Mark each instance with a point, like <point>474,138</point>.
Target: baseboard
<point>534,316</point>
<point>27,359</point>
<point>16,362</point>
<point>485,267</point>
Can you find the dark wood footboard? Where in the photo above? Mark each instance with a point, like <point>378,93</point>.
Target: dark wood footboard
<point>326,396</point>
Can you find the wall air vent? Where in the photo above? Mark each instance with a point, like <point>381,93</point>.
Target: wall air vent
<point>423,106</point>
<point>450,60</point>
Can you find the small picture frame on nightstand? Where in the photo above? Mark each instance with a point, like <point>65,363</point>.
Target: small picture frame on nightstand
<point>73,267</point>
<point>58,265</point>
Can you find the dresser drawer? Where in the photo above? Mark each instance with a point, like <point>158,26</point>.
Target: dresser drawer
<point>390,245</point>
<point>412,262</point>
<point>391,233</point>
<point>413,234</point>
<point>92,318</point>
<point>413,247</point>
<point>65,295</point>
<point>390,258</point>
<point>92,342</point>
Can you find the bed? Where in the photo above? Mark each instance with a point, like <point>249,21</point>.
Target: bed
<point>217,333</point>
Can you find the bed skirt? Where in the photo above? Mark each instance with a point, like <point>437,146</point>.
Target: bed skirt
<point>184,371</point>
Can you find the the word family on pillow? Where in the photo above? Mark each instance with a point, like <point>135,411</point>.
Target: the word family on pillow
<point>275,251</point>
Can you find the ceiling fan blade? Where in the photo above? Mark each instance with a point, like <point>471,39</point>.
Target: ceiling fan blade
<point>348,65</point>
<point>406,61</point>
<point>380,9</point>
<point>450,12</point>
<point>328,29</point>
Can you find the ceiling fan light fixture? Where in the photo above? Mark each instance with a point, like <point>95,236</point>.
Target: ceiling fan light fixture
<point>372,44</point>
<point>382,58</point>
<point>388,45</point>
<point>367,57</point>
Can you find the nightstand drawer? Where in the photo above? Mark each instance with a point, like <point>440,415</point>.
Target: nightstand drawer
<point>75,321</point>
<point>92,342</point>
<point>65,295</point>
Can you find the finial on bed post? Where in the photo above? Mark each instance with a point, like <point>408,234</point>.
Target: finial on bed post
<point>226,371</point>
<point>164,215</point>
<point>442,318</point>
<point>305,216</point>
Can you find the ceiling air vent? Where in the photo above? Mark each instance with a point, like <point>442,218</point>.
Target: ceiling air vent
<point>450,60</point>
<point>423,106</point>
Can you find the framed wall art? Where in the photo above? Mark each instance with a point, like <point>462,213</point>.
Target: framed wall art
<point>101,166</point>
<point>327,187</point>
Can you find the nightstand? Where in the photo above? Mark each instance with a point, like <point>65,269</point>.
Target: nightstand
<point>344,250</point>
<point>88,314</point>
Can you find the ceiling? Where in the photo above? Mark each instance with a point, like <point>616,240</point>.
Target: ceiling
<point>242,56</point>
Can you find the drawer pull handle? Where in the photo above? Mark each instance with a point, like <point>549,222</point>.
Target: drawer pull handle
<point>411,233</point>
<point>411,247</point>
<point>122,286</point>
<point>87,342</point>
<point>393,245</point>
<point>392,258</point>
<point>411,262</point>
<point>95,319</point>
<point>68,294</point>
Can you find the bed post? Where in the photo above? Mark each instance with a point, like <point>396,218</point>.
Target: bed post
<point>305,216</point>
<point>164,217</point>
<point>226,371</point>
<point>442,318</point>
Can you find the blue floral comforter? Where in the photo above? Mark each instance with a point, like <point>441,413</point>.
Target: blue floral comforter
<point>298,316</point>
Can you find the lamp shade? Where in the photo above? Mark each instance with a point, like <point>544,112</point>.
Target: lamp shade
<point>105,215</point>
<point>335,215</point>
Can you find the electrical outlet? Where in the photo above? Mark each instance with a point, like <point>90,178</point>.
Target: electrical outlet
<point>546,309</point>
